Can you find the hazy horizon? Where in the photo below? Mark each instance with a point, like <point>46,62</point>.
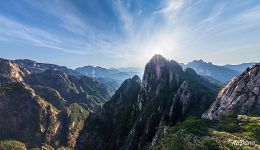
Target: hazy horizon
<point>116,33</point>
<point>113,67</point>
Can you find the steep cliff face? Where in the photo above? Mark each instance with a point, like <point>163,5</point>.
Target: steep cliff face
<point>26,116</point>
<point>46,105</point>
<point>167,95</point>
<point>239,96</point>
<point>109,127</point>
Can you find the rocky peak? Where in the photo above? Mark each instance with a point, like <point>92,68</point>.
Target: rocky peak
<point>136,79</point>
<point>158,59</point>
<point>160,74</point>
<point>157,63</point>
<point>13,70</point>
<point>239,96</point>
<point>167,94</point>
<point>127,89</point>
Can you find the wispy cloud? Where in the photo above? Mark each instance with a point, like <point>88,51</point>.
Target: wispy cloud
<point>124,15</point>
<point>85,40</point>
<point>10,30</point>
<point>64,12</point>
<point>170,8</point>
<point>183,28</point>
<point>178,29</point>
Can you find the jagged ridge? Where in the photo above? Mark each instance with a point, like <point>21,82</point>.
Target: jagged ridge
<point>167,95</point>
<point>239,96</point>
<point>45,104</point>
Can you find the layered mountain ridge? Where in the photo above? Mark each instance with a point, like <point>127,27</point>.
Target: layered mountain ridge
<point>49,106</point>
<point>112,76</point>
<point>215,73</point>
<point>240,67</point>
<point>36,67</point>
<point>44,104</point>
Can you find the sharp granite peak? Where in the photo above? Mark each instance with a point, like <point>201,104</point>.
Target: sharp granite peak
<point>166,95</point>
<point>159,61</point>
<point>239,96</point>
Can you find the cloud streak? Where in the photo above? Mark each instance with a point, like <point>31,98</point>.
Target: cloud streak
<point>12,30</point>
<point>135,30</point>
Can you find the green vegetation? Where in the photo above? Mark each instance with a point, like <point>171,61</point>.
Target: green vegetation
<point>232,132</point>
<point>47,147</point>
<point>250,126</point>
<point>64,148</point>
<point>17,145</point>
<point>12,145</point>
<point>230,123</point>
<point>191,134</point>
<point>76,115</point>
<point>193,125</point>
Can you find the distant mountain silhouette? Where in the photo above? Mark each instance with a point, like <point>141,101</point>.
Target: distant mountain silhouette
<point>219,73</point>
<point>240,67</point>
<point>112,76</point>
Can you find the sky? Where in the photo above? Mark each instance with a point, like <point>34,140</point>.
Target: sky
<point>127,33</point>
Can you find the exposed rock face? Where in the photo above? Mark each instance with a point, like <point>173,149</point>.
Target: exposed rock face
<point>29,118</point>
<point>167,94</point>
<point>9,71</point>
<point>80,89</point>
<point>47,104</point>
<point>109,127</point>
<point>239,96</point>
<point>25,116</point>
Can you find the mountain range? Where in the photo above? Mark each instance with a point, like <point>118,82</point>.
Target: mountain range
<point>45,106</point>
<point>111,76</point>
<point>221,74</point>
<point>165,95</point>
<point>240,67</point>
<point>115,76</point>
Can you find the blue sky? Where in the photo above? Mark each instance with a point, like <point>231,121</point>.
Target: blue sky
<point>121,33</point>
